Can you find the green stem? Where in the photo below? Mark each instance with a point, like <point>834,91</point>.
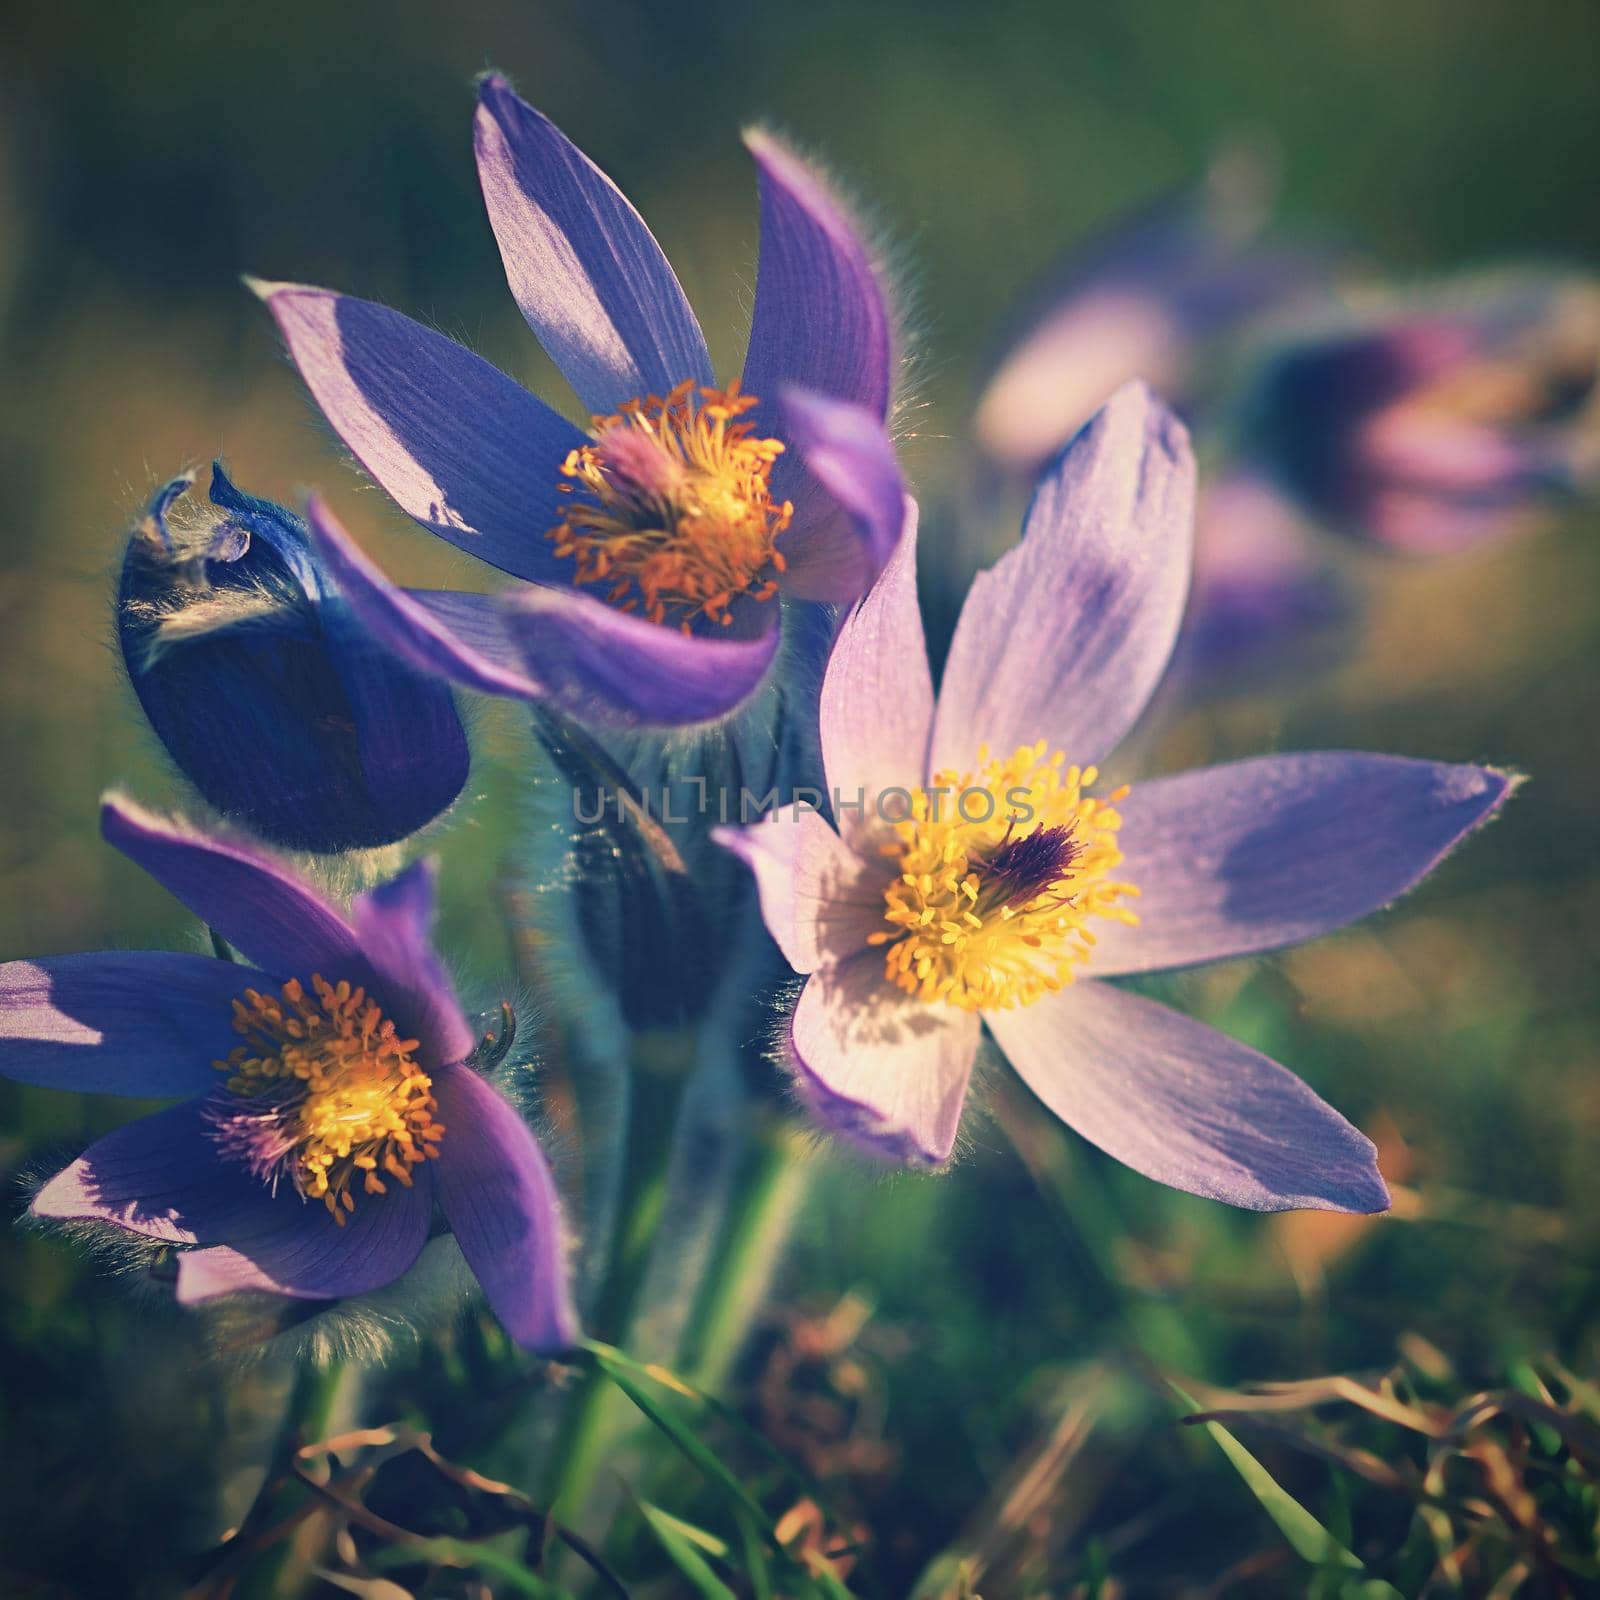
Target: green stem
<point>305,1420</point>
<point>767,1197</point>
<point>659,1067</point>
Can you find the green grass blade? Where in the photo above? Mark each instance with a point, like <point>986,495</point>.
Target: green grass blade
<point>1311,1541</point>
<point>682,1544</point>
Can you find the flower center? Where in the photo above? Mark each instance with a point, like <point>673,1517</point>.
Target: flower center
<point>324,1090</point>
<point>1000,871</point>
<point>671,507</point>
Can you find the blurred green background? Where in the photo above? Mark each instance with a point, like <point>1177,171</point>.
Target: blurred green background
<point>150,154</point>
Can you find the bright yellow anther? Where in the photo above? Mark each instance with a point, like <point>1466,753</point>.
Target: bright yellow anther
<point>1000,870</point>
<point>670,506</point>
<point>328,1091</point>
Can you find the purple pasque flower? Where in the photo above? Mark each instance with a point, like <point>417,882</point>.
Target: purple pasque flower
<point>1264,595</point>
<point>1438,423</point>
<point>979,875</point>
<point>1146,299</point>
<point>652,547</point>
<point>326,1103</point>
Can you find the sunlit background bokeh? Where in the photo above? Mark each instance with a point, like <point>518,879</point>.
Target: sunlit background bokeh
<point>150,155</point>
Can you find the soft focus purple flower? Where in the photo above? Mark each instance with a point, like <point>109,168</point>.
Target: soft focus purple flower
<point>1264,594</point>
<point>1441,423</point>
<point>326,1100</point>
<point>653,547</point>
<point>1005,877</point>
<point>1145,300</point>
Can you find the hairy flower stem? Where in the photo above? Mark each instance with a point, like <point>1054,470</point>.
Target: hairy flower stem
<point>305,1419</point>
<point>659,1066</point>
<point>769,1191</point>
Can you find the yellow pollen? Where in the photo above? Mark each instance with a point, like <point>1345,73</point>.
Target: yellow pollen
<point>671,507</point>
<point>329,1092</point>
<point>993,912</point>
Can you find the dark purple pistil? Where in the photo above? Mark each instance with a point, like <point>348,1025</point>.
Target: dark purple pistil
<point>1025,866</point>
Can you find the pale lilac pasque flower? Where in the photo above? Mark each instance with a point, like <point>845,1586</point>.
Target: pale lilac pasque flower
<point>653,547</point>
<point>1001,891</point>
<point>326,1101</point>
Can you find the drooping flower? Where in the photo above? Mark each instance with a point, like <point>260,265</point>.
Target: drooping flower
<point>268,694</point>
<point>654,545</point>
<point>1439,422</point>
<point>1145,300</point>
<point>977,877</point>
<point>326,1102</point>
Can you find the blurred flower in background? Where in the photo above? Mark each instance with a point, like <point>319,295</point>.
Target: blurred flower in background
<point>1424,422</point>
<point>1154,298</point>
<point>1447,416</point>
<point>1263,590</point>
<point>268,693</point>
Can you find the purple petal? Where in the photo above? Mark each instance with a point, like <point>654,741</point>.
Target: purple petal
<point>1051,384</point>
<point>457,636</point>
<point>1264,598</point>
<point>846,448</point>
<point>821,319</point>
<point>135,1022</point>
<point>268,916</point>
<point>878,1068</point>
<point>395,925</point>
<point>572,650</point>
<point>163,1177</point>
<point>1143,299</point>
<point>877,695</point>
<point>498,1196</point>
<point>210,1274</point>
<point>1186,1105</point>
<point>1066,637</point>
<point>587,273</point>
<point>601,665</point>
<point>1258,854</point>
<point>819,899</point>
<point>1427,524</point>
<point>309,1256</point>
<point>469,454</point>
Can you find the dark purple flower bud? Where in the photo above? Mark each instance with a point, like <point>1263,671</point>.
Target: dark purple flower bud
<point>274,703</point>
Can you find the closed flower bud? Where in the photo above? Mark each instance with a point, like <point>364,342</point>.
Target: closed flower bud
<point>271,700</point>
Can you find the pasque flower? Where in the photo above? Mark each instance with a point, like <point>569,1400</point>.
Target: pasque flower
<point>979,878</point>
<point>327,1106</point>
<point>269,695</point>
<point>653,545</point>
<point>1146,299</point>
<point>1439,421</point>
<point>1265,595</point>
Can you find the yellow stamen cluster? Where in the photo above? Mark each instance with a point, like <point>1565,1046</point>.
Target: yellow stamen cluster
<point>671,507</point>
<point>992,913</point>
<point>329,1091</point>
